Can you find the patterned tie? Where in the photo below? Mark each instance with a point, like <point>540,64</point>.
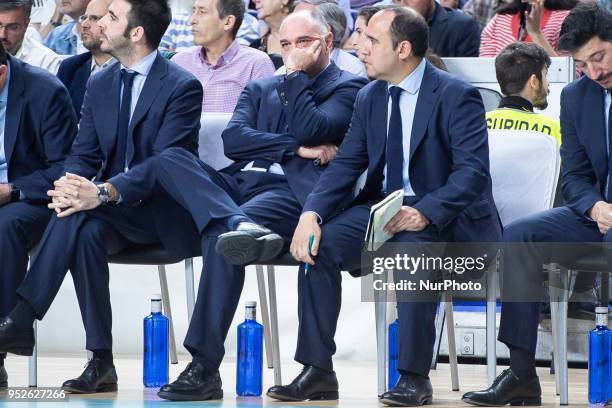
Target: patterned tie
<point>395,149</point>
<point>123,125</point>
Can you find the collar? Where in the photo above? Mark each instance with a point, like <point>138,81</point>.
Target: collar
<point>144,65</point>
<point>94,64</point>
<point>5,88</point>
<point>437,13</point>
<point>412,83</point>
<point>516,102</point>
<point>225,58</point>
<point>74,31</point>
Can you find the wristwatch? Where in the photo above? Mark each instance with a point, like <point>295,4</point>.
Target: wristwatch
<point>15,193</point>
<point>103,194</point>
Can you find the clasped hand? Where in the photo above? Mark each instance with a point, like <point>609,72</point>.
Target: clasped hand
<point>72,194</point>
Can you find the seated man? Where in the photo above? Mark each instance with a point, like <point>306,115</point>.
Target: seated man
<point>132,112</point>
<point>283,132</point>
<point>425,113</point>
<point>66,39</point>
<point>522,70</point>
<point>222,65</point>
<point>74,72</point>
<point>586,128</point>
<point>19,40</point>
<point>37,127</point>
<point>452,33</point>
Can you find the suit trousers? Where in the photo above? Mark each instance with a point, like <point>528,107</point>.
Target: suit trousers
<point>525,253</point>
<point>21,226</point>
<point>81,243</point>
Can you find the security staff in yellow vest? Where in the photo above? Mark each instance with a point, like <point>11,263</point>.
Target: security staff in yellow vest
<point>521,70</point>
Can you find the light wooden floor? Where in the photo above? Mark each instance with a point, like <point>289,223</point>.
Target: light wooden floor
<point>357,384</point>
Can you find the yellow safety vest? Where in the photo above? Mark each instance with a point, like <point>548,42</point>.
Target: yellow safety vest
<point>514,119</point>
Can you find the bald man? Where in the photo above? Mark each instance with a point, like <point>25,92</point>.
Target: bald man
<point>75,71</point>
<point>284,131</point>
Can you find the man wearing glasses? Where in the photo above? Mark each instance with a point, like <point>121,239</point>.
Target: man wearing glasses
<point>75,71</point>
<point>19,41</point>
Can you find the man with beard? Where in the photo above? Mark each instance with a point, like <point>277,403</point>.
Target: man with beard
<point>586,127</point>
<point>521,70</point>
<point>75,71</point>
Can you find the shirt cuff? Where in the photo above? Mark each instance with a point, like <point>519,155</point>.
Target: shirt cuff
<point>318,216</point>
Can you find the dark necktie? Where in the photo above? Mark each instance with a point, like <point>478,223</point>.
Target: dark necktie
<point>123,125</point>
<point>395,149</point>
<point>609,124</point>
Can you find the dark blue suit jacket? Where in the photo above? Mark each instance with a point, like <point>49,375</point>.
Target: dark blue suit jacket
<point>40,126</point>
<point>453,33</point>
<point>449,158</point>
<point>583,152</point>
<point>274,117</point>
<point>167,115</point>
<point>74,73</point>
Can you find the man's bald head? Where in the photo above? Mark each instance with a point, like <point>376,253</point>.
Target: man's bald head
<point>307,19</point>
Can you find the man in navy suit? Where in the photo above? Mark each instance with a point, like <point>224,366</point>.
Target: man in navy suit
<point>132,112</point>
<point>284,131</point>
<point>74,72</point>
<point>37,127</point>
<point>416,128</point>
<point>586,128</point>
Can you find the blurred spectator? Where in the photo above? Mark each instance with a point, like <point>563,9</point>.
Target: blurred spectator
<point>66,39</point>
<point>178,36</point>
<point>334,16</point>
<point>482,10</point>
<point>361,22</point>
<point>222,65</point>
<point>42,13</point>
<point>521,70</point>
<point>272,12</point>
<point>452,33</point>
<point>538,21</point>
<point>435,60</point>
<point>20,41</point>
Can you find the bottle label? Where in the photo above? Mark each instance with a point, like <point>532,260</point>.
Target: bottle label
<point>250,313</point>
<point>601,319</point>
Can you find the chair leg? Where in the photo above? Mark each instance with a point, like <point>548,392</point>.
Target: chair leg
<point>189,287</point>
<point>439,325</point>
<point>163,283</point>
<point>554,320</point>
<point>274,326</point>
<point>265,315</point>
<point>33,361</point>
<point>452,350</point>
<point>562,368</point>
<point>380,314</point>
<point>491,294</point>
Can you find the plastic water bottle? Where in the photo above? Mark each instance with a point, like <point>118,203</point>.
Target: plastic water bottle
<point>599,358</point>
<point>249,366</point>
<point>393,374</point>
<point>155,361</point>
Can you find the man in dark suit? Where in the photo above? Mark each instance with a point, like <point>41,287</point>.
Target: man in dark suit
<point>436,151</point>
<point>74,72</point>
<point>132,112</point>
<point>586,129</point>
<point>37,127</point>
<point>282,134</point>
<point>452,33</point>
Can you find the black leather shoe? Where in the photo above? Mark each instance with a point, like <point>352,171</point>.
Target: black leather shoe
<point>409,391</point>
<point>507,389</point>
<point>3,378</point>
<point>311,384</point>
<point>249,243</point>
<point>195,383</point>
<point>98,376</point>
<point>14,340</point>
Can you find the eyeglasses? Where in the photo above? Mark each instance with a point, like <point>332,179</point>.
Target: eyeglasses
<point>91,17</point>
<point>13,27</point>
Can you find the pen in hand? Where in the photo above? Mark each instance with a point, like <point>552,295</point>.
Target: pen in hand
<point>310,242</point>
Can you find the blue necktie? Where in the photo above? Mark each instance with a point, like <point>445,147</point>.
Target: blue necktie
<point>123,125</point>
<point>395,148</point>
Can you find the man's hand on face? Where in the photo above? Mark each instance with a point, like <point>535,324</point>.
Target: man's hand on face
<point>305,59</point>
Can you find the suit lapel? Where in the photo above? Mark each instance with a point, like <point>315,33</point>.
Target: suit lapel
<point>428,96</point>
<point>109,109</point>
<point>13,109</point>
<point>152,86</point>
<point>592,105</point>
